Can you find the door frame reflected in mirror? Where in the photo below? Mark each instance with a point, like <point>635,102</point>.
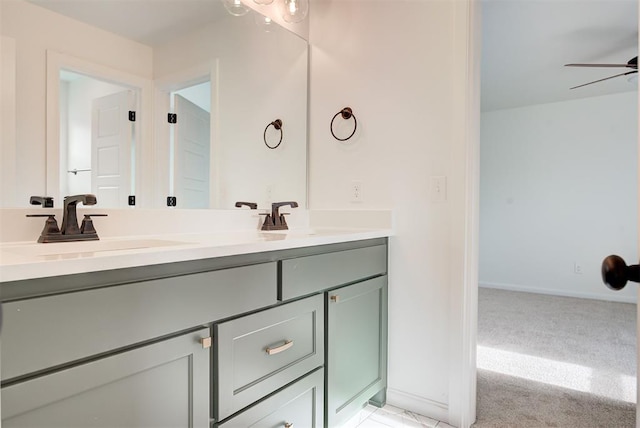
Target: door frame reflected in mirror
<point>164,87</point>
<point>57,62</point>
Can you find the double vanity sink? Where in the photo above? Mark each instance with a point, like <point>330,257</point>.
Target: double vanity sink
<point>230,329</point>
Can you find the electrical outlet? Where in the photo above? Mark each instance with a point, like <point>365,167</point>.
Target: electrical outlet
<point>356,191</point>
<point>577,268</point>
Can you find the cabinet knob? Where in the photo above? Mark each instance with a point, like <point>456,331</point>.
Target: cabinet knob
<point>206,342</point>
<point>335,298</point>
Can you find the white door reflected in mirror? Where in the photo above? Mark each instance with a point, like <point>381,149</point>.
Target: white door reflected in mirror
<point>97,139</point>
<point>112,149</point>
<point>191,146</point>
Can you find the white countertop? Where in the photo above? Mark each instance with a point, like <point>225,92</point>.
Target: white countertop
<point>29,260</point>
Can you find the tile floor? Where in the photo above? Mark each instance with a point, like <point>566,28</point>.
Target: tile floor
<point>390,416</point>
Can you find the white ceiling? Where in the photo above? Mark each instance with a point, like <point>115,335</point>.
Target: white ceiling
<point>150,22</point>
<point>525,44</point>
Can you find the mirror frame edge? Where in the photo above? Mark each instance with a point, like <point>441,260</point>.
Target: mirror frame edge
<point>8,121</point>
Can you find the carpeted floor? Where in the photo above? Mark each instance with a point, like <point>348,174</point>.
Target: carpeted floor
<point>547,361</point>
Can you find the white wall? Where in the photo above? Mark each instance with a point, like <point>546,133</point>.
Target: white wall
<point>559,186</point>
<point>401,66</point>
<point>35,30</point>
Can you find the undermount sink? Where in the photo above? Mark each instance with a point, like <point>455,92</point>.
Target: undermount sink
<point>62,248</point>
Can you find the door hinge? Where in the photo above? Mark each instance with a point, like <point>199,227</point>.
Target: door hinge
<point>172,117</point>
<point>132,116</point>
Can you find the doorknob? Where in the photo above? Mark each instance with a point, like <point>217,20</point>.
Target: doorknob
<point>616,273</point>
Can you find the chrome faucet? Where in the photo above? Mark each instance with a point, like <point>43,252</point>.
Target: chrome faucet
<point>275,220</point>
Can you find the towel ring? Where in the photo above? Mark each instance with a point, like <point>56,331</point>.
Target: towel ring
<point>346,114</point>
<point>277,124</point>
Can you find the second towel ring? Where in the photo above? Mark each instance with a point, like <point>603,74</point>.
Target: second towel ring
<point>346,114</point>
<point>277,124</point>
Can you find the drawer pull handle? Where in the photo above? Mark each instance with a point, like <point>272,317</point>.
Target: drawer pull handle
<point>335,298</point>
<point>286,345</point>
<point>206,342</point>
<point>288,425</point>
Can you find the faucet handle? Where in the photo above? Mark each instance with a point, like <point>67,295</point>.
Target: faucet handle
<point>86,228</point>
<point>50,227</point>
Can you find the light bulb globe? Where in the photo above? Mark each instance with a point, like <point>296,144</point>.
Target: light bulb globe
<point>295,10</point>
<point>235,7</point>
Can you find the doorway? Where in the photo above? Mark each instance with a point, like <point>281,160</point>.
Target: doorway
<point>558,193</point>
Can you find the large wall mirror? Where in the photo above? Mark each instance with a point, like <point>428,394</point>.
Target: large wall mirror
<point>165,101</point>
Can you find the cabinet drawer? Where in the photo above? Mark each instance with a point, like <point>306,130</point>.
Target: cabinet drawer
<point>299,405</point>
<point>260,353</point>
<point>48,331</point>
<point>311,274</point>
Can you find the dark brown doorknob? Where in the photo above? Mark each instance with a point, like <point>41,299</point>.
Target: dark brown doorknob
<point>616,273</point>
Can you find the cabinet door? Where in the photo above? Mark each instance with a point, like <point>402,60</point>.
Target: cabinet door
<point>165,384</point>
<point>356,347</point>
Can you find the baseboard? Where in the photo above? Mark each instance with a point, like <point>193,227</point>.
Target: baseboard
<point>421,405</point>
<point>563,293</point>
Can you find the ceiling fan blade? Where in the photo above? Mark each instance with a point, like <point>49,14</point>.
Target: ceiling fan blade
<point>606,78</point>
<point>600,65</point>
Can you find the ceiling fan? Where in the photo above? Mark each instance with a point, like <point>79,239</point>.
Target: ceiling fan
<point>632,64</point>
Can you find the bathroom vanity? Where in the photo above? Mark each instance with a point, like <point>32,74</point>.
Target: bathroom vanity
<point>282,330</point>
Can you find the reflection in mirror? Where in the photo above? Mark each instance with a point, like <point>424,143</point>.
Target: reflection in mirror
<point>190,146</point>
<point>97,139</point>
<point>257,73</point>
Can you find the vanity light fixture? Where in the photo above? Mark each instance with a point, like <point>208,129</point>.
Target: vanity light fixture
<point>235,7</point>
<point>295,10</point>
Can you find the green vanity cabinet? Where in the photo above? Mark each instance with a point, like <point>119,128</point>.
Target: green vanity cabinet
<point>165,384</point>
<point>293,338</point>
<point>356,364</point>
